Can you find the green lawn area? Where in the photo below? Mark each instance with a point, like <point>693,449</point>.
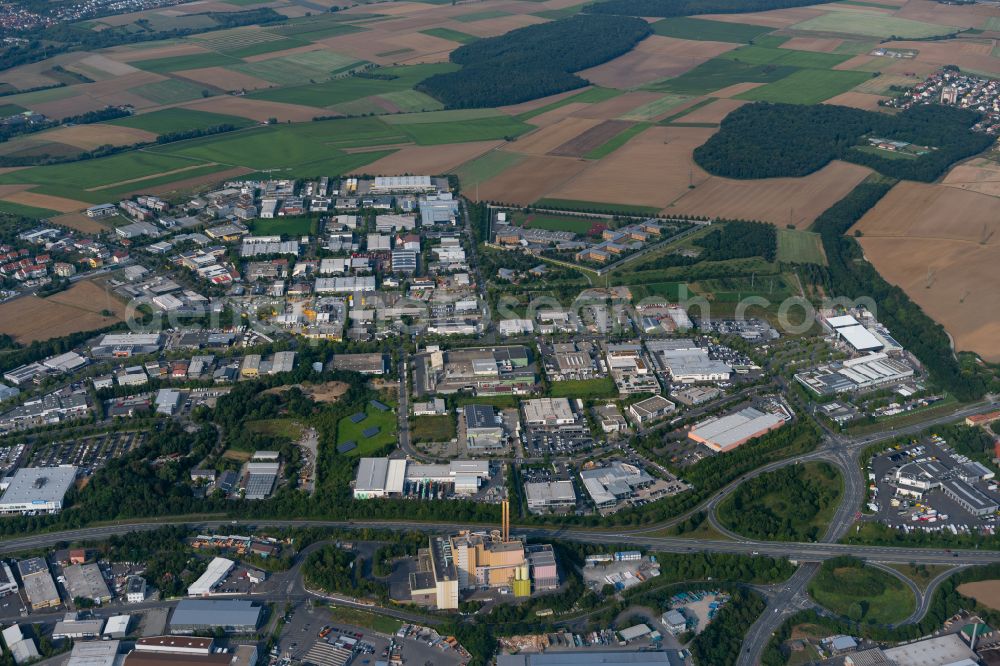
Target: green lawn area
<point>450,35</point>
<point>589,96</point>
<point>585,389</point>
<point>657,107</point>
<point>870,24</point>
<point>432,428</point>
<point>577,225</point>
<point>10,110</point>
<point>670,290</point>
<point>26,211</point>
<point>859,3</point>
<point>170,91</point>
<point>486,166</point>
<point>709,31</point>
<point>480,16</point>
<point>862,593</point>
<point>365,620</point>
<point>180,63</point>
<point>594,206</point>
<point>887,154</point>
<point>498,401</point>
<point>734,289</point>
<point>308,147</point>
<point>461,131</point>
<point>800,247</point>
<point>284,226</point>
<point>276,427</point>
<point>349,88</point>
<point>179,120</point>
<point>616,142</point>
<point>808,86</point>
<point>921,574</point>
<point>720,73</point>
<point>348,431</point>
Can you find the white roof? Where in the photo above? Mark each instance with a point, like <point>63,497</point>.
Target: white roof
<point>216,571</point>
<point>94,653</point>
<point>931,652</point>
<point>631,633</point>
<point>733,428</point>
<point>859,337</point>
<point>117,624</point>
<point>39,485</point>
<point>841,321</point>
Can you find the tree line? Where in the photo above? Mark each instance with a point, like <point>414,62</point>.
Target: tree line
<point>533,62</point>
<point>765,140</point>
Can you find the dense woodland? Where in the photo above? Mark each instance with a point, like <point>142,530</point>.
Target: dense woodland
<point>793,502</point>
<point>670,8</point>
<point>734,239</point>
<point>533,62</point>
<point>765,140</point>
<point>850,275</point>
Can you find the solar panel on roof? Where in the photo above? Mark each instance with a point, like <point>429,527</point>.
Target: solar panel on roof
<point>371,432</point>
<point>347,446</point>
<point>359,417</point>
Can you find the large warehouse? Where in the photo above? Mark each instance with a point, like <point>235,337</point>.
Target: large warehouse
<point>727,433</point>
<point>38,489</point>
<point>382,477</point>
<point>230,615</point>
<point>216,572</point>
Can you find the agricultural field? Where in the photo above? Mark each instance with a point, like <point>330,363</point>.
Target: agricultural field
<point>948,270</point>
<point>79,308</point>
<point>449,34</point>
<point>684,27</point>
<point>461,131</point>
<point>166,121</point>
<point>873,24</point>
<point>806,86</point>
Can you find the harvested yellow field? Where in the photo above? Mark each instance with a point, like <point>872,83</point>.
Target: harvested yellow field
<point>255,109</point>
<point>977,175</point>
<point>88,137</point>
<point>857,100</point>
<point>653,169</point>
<point>986,592</point>
<point>776,18</point>
<point>224,79</point>
<point>80,222</point>
<point>78,308</point>
<point>781,201</point>
<point>46,201</point>
<point>948,270</point>
<point>530,180</point>
<point>430,159</point>
<point>549,138</point>
<point>654,58</point>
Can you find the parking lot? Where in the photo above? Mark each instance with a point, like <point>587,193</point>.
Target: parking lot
<point>88,453</point>
<point>540,442</point>
<point>934,511</point>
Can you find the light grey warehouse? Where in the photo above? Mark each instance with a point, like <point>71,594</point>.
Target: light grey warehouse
<point>231,615</point>
<point>589,658</point>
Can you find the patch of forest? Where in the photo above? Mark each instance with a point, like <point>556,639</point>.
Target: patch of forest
<point>533,62</point>
<point>766,140</point>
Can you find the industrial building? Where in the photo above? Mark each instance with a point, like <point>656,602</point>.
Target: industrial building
<point>548,412</point>
<point>453,565</point>
<point>71,626</point>
<point>216,572</point>
<point>366,364</point>
<point>85,581</point>
<point>135,589</point>
<point>229,615</point>
<point>686,362</point>
<point>630,369</point>
<point>728,432</point>
<point>125,345</point>
<point>261,477</point>
<point>37,490</point>
<point>948,650</point>
<point>402,184</point>
<point>607,486</point>
<point>651,409</point>
<point>38,584</point>
<point>95,653</point>
<point>483,428</point>
<point>8,585</point>
<point>863,373</point>
<point>915,479</point>
<point>21,647</point>
<point>481,370</point>
<point>544,495</point>
<point>384,477</point>
<point>593,658</point>
<point>171,650</point>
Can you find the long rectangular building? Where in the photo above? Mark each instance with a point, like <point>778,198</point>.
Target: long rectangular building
<point>384,477</point>
<point>728,432</point>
